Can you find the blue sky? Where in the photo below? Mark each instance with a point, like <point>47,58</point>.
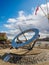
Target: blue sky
<point>10,9</point>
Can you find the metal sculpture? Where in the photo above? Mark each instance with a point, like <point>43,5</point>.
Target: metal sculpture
<point>21,44</point>
<point>17,45</point>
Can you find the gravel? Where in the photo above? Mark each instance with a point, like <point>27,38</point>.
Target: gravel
<point>30,59</point>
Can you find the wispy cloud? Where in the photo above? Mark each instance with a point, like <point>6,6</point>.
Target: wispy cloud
<point>29,21</point>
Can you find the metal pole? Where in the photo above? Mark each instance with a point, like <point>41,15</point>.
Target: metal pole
<point>47,11</point>
<point>43,11</point>
<point>47,7</point>
<point>23,33</point>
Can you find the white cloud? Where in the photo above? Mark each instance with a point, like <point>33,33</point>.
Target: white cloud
<point>11,20</point>
<point>21,13</point>
<point>29,21</point>
<point>9,26</point>
<point>21,17</point>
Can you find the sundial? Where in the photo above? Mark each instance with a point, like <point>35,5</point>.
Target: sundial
<point>21,43</point>
<point>17,42</point>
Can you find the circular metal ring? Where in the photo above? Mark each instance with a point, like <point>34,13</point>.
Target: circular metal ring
<point>16,45</point>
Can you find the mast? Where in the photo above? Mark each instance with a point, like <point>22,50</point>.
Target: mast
<point>47,10</point>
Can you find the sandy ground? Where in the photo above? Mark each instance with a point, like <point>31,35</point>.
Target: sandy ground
<point>38,53</point>
<point>21,51</point>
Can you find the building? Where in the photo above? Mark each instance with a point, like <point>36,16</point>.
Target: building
<point>3,36</point>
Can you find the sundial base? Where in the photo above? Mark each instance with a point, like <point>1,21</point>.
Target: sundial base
<point>17,55</point>
<point>10,57</point>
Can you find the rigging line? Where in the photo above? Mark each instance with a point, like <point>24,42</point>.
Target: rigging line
<point>47,7</point>
<point>43,11</point>
<point>47,10</point>
<point>23,33</point>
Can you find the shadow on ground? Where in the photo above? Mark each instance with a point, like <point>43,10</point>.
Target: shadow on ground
<point>14,58</point>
